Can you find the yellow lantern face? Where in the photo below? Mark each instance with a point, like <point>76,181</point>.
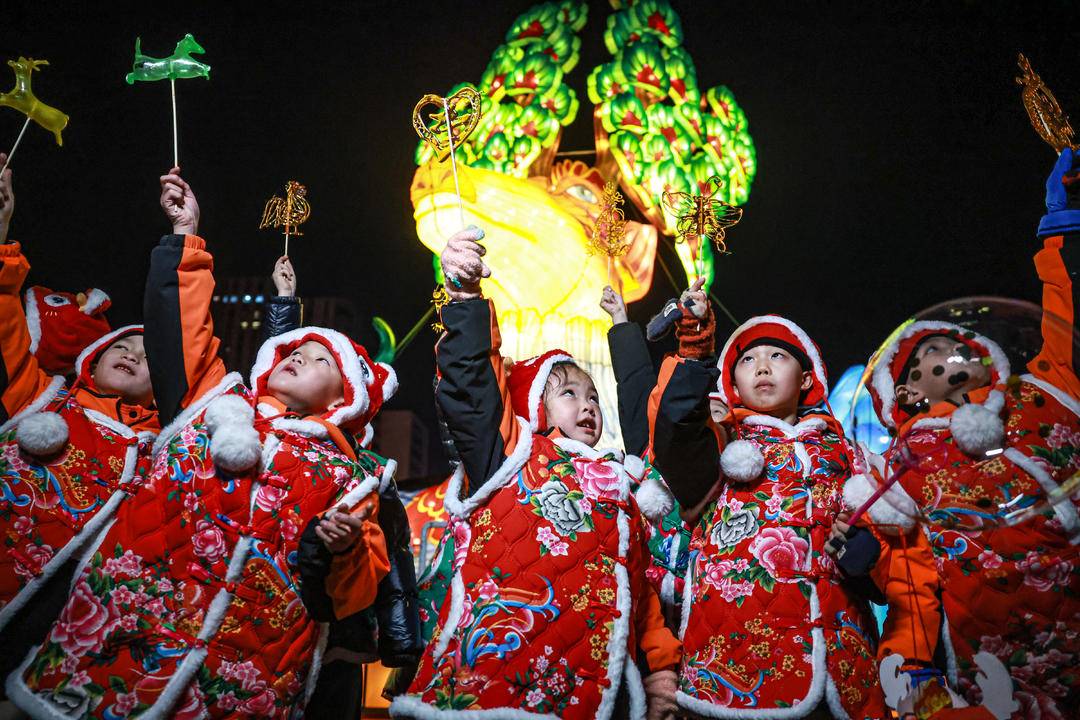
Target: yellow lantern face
<point>545,283</point>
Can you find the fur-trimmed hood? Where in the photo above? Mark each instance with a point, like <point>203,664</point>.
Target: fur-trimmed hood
<point>367,384</point>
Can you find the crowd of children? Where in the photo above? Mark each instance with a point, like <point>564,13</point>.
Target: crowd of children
<point>184,541</point>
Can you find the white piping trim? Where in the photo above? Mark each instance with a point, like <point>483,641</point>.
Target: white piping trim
<point>832,699</point>
<point>316,662</point>
<point>536,389</point>
<point>31,703</point>
<point>33,319</point>
<point>462,508</point>
<point>408,706</point>
<point>687,594</point>
<point>388,473</point>
<point>45,397</point>
<point>620,632</point>
<point>367,437</point>
<point>636,690</point>
<point>1064,511</point>
<point>354,369</point>
<point>1058,394</point>
<point>457,608</point>
<point>807,346</point>
<point>951,667</point>
<point>191,411</point>
<point>353,497</point>
<point>885,384</point>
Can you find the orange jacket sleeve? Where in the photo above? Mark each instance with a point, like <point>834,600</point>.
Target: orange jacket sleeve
<point>907,575</point>
<point>354,576</point>
<point>662,650</point>
<point>22,379</point>
<point>1055,364</point>
<point>179,337</point>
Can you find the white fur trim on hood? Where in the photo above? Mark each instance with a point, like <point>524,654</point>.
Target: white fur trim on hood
<point>90,353</point>
<point>885,384</point>
<point>355,371</point>
<point>808,347</point>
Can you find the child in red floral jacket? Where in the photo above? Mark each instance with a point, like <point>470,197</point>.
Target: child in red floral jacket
<point>191,606</point>
<point>68,451</point>
<point>974,443</point>
<point>548,600</point>
<point>767,627</point>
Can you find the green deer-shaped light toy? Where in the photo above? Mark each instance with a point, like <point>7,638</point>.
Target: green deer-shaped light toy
<point>178,66</point>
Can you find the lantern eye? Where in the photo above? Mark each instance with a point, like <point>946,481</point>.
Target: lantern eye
<point>583,193</point>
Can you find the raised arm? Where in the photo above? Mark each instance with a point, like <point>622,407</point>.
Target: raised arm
<point>180,342</point>
<point>1056,264</point>
<point>283,312</point>
<point>471,389</point>
<point>21,380</point>
<point>634,374</point>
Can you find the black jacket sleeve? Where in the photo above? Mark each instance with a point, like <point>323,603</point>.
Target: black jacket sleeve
<point>468,391</point>
<point>685,447</point>
<point>634,380</point>
<point>396,606</point>
<point>280,315</point>
<point>164,334</point>
<point>314,560</point>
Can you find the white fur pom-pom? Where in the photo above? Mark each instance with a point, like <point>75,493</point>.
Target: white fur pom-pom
<point>42,434</point>
<point>741,461</point>
<point>654,499</point>
<point>235,447</point>
<point>635,468</point>
<point>228,410</point>
<point>976,429</point>
<point>893,513</point>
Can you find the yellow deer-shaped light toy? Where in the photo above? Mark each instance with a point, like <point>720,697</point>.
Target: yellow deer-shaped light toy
<point>21,98</point>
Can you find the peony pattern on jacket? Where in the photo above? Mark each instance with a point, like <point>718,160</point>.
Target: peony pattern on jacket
<point>570,511</point>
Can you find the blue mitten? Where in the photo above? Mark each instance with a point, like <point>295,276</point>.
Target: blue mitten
<point>1062,216</point>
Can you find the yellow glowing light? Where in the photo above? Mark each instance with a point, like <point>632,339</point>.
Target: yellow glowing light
<point>545,283</point>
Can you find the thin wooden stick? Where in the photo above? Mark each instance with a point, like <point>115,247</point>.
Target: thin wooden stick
<point>16,145</point>
<point>175,142</point>
<point>453,163</point>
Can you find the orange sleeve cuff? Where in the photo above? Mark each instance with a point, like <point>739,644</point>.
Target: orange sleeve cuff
<point>697,337</point>
<point>354,576</point>
<point>662,649</point>
<point>14,267</point>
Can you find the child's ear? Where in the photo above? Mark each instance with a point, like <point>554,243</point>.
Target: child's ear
<point>807,380</point>
<point>906,395</point>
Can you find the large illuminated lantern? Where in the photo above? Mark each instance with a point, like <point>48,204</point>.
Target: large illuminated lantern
<point>655,131</point>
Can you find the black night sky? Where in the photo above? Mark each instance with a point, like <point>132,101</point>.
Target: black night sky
<point>896,164</point>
